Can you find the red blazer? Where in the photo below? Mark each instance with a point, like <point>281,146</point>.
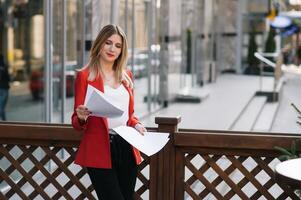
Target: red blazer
<point>94,149</point>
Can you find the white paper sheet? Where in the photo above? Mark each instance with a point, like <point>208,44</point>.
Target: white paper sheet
<point>149,143</point>
<point>100,105</point>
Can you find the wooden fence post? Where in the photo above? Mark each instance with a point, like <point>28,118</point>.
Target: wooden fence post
<point>162,167</point>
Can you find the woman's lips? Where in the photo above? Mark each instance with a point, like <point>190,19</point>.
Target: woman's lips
<point>110,55</point>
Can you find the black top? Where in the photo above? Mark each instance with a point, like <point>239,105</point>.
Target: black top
<point>4,76</point>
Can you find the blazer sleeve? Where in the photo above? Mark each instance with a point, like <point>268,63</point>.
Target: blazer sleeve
<point>79,99</point>
<point>133,120</point>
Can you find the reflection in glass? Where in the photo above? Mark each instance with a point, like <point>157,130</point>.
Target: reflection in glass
<point>22,36</point>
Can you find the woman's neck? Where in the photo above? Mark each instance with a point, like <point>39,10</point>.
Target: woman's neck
<point>107,67</point>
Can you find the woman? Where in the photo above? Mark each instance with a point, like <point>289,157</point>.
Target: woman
<point>111,162</point>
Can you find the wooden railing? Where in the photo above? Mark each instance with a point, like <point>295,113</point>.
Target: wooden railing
<point>36,161</point>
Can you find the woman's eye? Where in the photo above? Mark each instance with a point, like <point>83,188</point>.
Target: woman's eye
<point>108,42</point>
<point>118,46</point>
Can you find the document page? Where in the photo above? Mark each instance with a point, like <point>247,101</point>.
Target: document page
<point>100,105</point>
<point>149,143</point>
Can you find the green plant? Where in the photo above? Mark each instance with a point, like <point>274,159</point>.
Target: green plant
<point>290,153</point>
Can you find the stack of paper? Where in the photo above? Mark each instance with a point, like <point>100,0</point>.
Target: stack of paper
<point>100,105</point>
<point>149,143</point>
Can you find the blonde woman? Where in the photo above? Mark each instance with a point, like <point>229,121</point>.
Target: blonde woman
<point>111,162</point>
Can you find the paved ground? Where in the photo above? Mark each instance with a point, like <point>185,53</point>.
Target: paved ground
<point>227,97</point>
<point>286,117</point>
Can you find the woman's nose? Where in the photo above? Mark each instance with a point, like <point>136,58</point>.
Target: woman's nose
<point>112,48</point>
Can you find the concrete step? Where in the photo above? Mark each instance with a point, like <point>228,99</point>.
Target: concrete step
<point>245,121</point>
<point>266,117</point>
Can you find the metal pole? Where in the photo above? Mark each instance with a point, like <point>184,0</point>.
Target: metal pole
<point>48,60</point>
<point>83,38</point>
<point>48,64</point>
<point>133,35</point>
<point>164,62</point>
<point>126,15</point>
<point>114,11</point>
<point>63,69</point>
<point>193,56</point>
<point>156,52</point>
<point>183,46</point>
<point>239,21</point>
<point>148,6</point>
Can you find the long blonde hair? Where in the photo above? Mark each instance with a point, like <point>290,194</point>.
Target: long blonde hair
<point>119,65</point>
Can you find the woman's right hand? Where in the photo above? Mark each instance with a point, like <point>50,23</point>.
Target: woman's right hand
<point>82,113</point>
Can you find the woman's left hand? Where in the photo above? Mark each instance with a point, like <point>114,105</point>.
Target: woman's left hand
<point>140,128</point>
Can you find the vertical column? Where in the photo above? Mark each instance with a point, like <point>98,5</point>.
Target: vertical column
<point>96,19</point>
<point>6,32</point>
<point>81,34</point>
<point>239,21</point>
<point>114,11</point>
<point>183,46</point>
<point>133,36</point>
<point>63,57</point>
<point>163,68</point>
<point>149,9</point>
<point>126,15</point>
<point>48,60</point>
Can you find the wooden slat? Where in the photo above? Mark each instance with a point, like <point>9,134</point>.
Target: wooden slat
<point>153,177</point>
<point>179,175</point>
<point>202,179</point>
<point>244,181</point>
<point>218,180</point>
<point>225,132</point>
<point>2,197</point>
<point>202,170</point>
<point>190,191</point>
<point>270,172</point>
<point>224,176</point>
<point>23,172</point>
<point>31,172</point>
<point>232,141</point>
<point>46,182</point>
<point>48,176</point>
<point>14,187</point>
<point>40,132</point>
<point>250,177</point>
<point>65,169</point>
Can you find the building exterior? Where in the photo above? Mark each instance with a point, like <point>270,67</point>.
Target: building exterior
<point>182,43</point>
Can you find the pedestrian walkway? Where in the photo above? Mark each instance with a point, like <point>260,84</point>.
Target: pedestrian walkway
<point>286,117</point>
<point>228,96</point>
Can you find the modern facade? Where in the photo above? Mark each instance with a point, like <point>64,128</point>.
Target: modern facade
<point>174,44</point>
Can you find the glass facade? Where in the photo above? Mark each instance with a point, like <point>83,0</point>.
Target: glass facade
<point>22,45</point>
<point>73,24</point>
<point>172,45</point>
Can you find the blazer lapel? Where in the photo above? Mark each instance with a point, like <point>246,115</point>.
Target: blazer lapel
<point>130,94</point>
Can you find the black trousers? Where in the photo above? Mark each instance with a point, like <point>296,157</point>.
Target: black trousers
<point>119,182</point>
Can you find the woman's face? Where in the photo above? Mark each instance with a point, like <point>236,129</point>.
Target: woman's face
<point>111,49</point>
